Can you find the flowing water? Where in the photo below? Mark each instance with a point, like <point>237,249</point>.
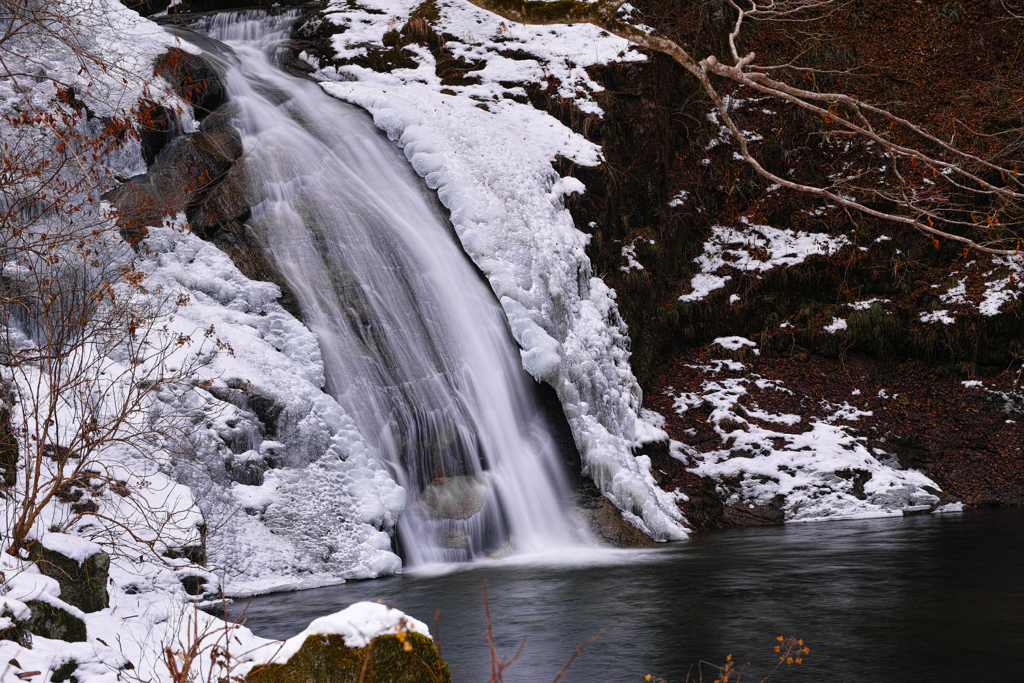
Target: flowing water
<point>930,599</point>
<point>415,347</point>
<point>416,350</point>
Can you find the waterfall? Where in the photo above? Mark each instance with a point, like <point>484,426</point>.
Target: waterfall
<point>415,346</point>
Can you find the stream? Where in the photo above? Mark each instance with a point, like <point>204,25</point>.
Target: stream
<point>925,599</point>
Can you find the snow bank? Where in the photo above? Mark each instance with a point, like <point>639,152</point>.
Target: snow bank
<point>323,510</point>
<point>490,160</point>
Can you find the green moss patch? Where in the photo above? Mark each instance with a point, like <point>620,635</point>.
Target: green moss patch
<point>402,658</point>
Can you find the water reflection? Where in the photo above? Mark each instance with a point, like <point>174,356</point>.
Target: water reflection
<point>930,599</point>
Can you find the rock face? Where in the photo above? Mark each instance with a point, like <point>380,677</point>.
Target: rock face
<point>150,7</point>
<point>83,584</point>
<point>202,174</point>
<point>400,658</point>
<point>50,621</point>
<point>454,498</point>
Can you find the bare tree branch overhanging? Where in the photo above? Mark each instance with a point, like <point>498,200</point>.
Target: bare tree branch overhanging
<point>918,180</point>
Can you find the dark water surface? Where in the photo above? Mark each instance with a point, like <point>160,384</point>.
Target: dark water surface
<point>932,599</point>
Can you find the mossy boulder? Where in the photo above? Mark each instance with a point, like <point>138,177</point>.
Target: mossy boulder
<point>65,672</point>
<point>14,626</point>
<point>82,578</point>
<point>399,658</point>
<point>54,622</point>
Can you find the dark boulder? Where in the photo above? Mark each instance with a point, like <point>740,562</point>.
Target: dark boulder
<point>157,127</point>
<point>54,622</point>
<point>195,78</point>
<point>83,583</point>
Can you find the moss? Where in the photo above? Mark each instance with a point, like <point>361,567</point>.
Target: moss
<point>81,585</point>
<point>326,659</point>
<point>65,672</point>
<point>50,621</point>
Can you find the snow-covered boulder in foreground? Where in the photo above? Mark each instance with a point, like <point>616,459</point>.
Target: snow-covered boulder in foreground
<point>490,159</point>
<point>366,641</point>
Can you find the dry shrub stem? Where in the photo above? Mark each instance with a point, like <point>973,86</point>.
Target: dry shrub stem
<point>499,665</point>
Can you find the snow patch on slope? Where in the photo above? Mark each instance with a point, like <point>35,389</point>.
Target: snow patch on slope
<point>823,470</point>
<point>753,248</point>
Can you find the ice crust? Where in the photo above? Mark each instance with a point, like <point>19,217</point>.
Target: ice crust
<point>324,513</point>
<point>492,168</point>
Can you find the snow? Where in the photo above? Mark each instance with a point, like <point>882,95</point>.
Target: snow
<point>629,254</point>
<point>734,343</point>
<point>679,199</point>
<point>941,316</point>
<point>491,166</point>
<point>1001,290</point>
<point>71,547</point>
<point>866,305</point>
<point>358,624</point>
<point>810,464</point>
<point>754,248</point>
<point>836,325</point>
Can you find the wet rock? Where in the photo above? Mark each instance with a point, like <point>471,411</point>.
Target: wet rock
<point>401,658</point>
<point>752,514</point>
<point>457,539</point>
<point>83,583</point>
<point>454,498</point>
<point>51,621</point>
<point>197,79</point>
<point>608,526</point>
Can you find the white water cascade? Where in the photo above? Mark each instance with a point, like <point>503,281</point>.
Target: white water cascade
<point>416,348</point>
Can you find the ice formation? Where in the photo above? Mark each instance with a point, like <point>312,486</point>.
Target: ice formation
<point>490,160</point>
